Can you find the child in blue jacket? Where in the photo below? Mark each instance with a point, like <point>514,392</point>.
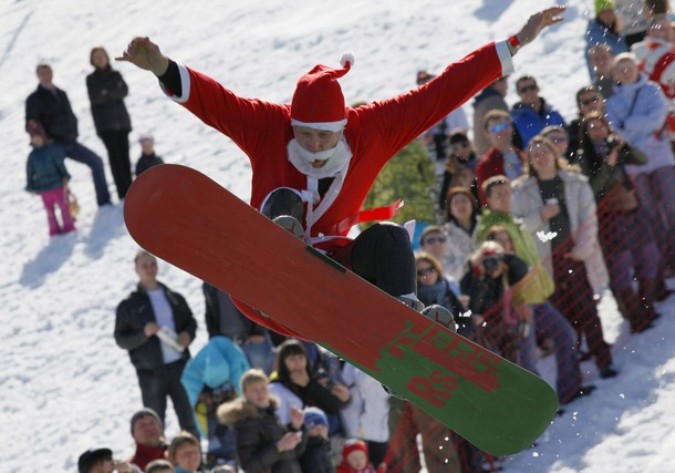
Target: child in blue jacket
<point>47,175</point>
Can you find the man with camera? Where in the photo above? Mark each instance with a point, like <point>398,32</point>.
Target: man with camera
<point>527,304</point>
<point>489,285</point>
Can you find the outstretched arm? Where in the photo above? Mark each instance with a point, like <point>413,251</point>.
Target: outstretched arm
<point>535,24</point>
<point>145,54</point>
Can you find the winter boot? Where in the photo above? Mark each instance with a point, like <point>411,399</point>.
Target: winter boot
<point>441,315</point>
<point>638,317</point>
<point>435,312</point>
<point>647,294</point>
<point>662,291</point>
<point>291,225</point>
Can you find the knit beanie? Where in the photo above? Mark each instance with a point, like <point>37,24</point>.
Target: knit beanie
<point>313,417</point>
<point>604,5</point>
<point>146,411</point>
<point>318,101</point>
<point>354,445</point>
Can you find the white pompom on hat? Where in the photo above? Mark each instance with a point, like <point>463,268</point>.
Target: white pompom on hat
<point>318,101</point>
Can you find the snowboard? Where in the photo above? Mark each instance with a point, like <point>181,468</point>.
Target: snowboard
<point>187,219</point>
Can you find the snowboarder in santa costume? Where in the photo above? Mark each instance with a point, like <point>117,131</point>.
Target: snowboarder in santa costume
<point>314,160</point>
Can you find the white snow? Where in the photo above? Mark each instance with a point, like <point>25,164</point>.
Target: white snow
<point>64,384</point>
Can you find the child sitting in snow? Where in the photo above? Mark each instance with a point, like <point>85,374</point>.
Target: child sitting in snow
<point>355,459</point>
<point>46,175</point>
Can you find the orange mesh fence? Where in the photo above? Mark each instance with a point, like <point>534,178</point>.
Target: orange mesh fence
<point>630,252</point>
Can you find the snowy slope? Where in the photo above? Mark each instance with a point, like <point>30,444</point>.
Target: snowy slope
<point>64,384</point>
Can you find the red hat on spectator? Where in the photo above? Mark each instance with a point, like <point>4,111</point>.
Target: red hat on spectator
<point>318,101</point>
<point>354,445</point>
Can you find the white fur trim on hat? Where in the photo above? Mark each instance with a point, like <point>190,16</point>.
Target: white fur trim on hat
<point>347,58</point>
<point>324,126</point>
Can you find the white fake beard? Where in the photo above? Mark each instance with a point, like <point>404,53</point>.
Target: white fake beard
<point>337,159</point>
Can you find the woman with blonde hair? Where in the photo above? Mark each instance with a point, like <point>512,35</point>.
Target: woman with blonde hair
<point>558,209</point>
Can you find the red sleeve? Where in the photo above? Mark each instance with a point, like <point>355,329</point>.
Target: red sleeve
<point>399,120</point>
<point>250,123</point>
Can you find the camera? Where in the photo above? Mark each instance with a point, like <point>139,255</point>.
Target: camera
<point>491,263</point>
<point>612,142</point>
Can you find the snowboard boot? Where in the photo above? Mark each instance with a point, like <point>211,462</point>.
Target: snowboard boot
<point>435,312</point>
<point>441,315</point>
<point>291,225</point>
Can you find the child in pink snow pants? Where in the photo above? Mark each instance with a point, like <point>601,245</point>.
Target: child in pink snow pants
<point>47,175</point>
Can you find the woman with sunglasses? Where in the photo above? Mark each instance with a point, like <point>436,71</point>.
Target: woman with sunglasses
<point>560,138</point>
<point>434,288</point>
<point>589,99</point>
<point>630,248</point>
<point>434,241</point>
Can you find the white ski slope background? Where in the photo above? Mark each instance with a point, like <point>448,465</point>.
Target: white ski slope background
<point>64,384</point>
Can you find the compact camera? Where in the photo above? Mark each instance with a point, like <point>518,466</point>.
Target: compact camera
<point>491,263</point>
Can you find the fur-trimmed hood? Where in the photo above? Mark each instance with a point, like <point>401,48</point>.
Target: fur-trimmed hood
<point>240,409</point>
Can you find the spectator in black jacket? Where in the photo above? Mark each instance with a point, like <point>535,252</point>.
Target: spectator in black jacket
<point>264,442</point>
<point>50,107</point>
<point>223,318</point>
<point>156,326</point>
<point>107,90</point>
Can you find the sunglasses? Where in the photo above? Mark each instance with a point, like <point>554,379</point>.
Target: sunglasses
<point>463,144</point>
<point>426,271</point>
<point>432,240</point>
<point>498,127</point>
<point>528,88</point>
<point>590,101</point>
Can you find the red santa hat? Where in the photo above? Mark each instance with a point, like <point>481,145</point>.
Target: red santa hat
<point>318,101</point>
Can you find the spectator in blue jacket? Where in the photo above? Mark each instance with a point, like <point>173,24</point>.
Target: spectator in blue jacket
<point>46,175</point>
<point>210,379</point>
<point>532,114</point>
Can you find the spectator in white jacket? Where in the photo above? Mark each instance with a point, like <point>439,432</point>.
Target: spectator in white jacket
<point>637,110</point>
<point>366,416</point>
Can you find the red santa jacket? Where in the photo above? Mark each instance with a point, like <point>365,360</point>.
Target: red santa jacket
<point>656,59</point>
<point>374,132</point>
